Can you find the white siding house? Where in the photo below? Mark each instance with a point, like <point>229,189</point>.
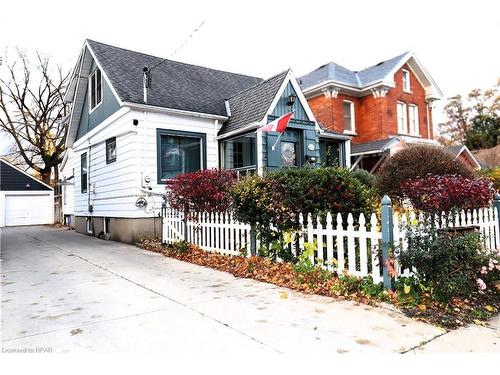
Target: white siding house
<point>125,142</point>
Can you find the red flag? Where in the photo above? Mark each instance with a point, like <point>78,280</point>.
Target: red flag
<point>278,125</point>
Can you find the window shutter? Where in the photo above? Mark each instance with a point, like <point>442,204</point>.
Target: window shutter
<point>273,156</point>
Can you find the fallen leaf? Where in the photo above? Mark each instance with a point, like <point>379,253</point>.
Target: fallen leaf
<point>489,308</point>
<point>75,331</point>
<point>407,289</point>
<point>422,307</point>
<point>284,295</point>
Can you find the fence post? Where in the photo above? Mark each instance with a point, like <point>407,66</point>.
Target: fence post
<point>253,241</point>
<point>496,214</point>
<point>387,238</point>
<point>185,224</point>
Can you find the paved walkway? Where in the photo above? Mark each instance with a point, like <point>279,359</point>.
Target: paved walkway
<point>70,292</point>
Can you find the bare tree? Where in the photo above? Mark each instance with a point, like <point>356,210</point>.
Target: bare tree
<point>463,112</point>
<point>32,112</point>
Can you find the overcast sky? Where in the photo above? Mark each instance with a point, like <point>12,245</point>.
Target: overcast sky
<point>457,41</point>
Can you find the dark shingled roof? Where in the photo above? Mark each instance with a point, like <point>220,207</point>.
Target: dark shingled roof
<point>252,104</point>
<point>175,85</point>
<point>14,180</point>
<point>363,148</point>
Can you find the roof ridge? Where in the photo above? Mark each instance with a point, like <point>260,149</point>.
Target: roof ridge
<point>384,61</point>
<point>258,84</point>
<point>173,61</point>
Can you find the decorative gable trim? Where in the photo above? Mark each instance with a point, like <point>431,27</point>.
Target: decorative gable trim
<point>300,96</point>
<point>78,94</point>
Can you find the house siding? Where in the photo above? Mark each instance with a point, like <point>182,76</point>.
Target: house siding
<point>109,105</point>
<point>283,108</point>
<point>375,118</point>
<point>118,185</point>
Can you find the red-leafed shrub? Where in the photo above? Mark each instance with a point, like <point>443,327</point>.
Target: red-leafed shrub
<point>449,192</point>
<point>201,191</point>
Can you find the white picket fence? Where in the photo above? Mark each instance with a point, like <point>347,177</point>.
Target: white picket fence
<point>341,244</point>
<point>212,232</point>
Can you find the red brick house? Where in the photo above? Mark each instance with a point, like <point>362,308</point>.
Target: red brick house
<point>383,107</point>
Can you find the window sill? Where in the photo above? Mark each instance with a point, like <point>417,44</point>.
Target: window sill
<point>349,132</point>
<point>407,92</point>
<point>93,109</point>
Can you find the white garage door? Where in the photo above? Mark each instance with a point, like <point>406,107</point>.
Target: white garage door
<point>28,209</point>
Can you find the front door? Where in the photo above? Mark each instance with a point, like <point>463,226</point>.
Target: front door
<point>291,155</point>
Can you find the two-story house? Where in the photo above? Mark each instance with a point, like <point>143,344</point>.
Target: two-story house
<point>138,121</point>
<point>383,107</point>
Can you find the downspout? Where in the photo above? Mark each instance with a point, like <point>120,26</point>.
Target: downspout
<point>427,118</point>
<point>89,189</point>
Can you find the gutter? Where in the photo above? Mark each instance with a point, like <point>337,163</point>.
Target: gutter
<point>145,107</point>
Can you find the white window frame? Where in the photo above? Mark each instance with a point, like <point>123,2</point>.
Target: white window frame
<point>402,128</point>
<point>92,77</point>
<point>353,121</point>
<point>413,119</point>
<point>406,81</point>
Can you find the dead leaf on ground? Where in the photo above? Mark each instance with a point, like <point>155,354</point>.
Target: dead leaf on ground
<point>75,331</point>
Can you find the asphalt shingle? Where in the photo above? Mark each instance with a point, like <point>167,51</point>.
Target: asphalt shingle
<point>252,104</point>
<point>175,85</point>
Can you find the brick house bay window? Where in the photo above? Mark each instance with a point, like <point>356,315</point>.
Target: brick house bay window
<point>402,118</point>
<point>349,116</point>
<point>413,112</point>
<point>179,153</point>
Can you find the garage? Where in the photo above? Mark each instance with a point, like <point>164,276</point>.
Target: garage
<point>24,200</point>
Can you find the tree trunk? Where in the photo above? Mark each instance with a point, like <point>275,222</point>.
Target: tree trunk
<point>46,177</point>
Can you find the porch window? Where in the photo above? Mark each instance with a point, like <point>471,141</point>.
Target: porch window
<point>289,154</point>
<point>239,153</point>
<point>95,91</point>
<point>179,153</point>
<point>402,118</point>
<point>329,153</point>
<point>413,119</point>
<point>83,172</point>
<point>289,147</point>
<point>348,116</point>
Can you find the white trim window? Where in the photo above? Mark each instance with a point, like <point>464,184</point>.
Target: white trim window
<point>406,81</point>
<point>413,115</point>
<point>402,118</point>
<point>349,124</point>
<point>95,91</point>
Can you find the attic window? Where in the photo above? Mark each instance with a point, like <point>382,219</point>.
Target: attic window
<point>95,92</point>
<point>406,81</point>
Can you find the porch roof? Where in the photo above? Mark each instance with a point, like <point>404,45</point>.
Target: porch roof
<point>373,147</point>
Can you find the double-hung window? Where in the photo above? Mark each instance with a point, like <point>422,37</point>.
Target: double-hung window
<point>95,92</point>
<point>83,172</point>
<point>349,116</point>
<point>111,150</point>
<point>413,114</point>
<point>402,118</point>
<point>179,152</point>
<point>406,81</point>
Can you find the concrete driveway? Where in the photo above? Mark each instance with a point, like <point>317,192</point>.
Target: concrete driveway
<point>63,292</point>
